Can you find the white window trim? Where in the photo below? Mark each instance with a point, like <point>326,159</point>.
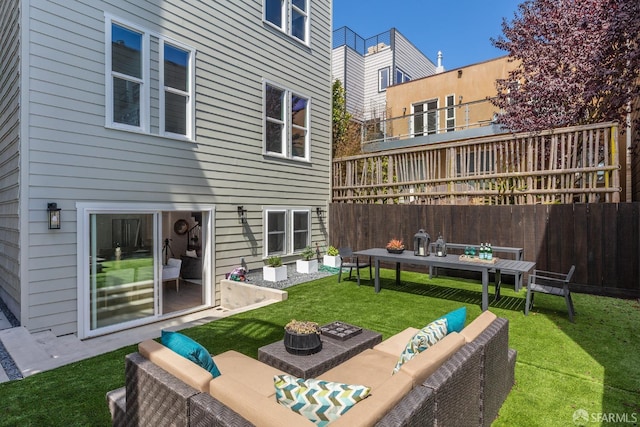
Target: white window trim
<point>109,74</point>
<point>83,212</point>
<point>288,230</point>
<point>388,70</point>
<point>190,125</point>
<point>292,238</point>
<point>286,17</point>
<point>288,124</point>
<point>405,77</point>
<point>450,108</point>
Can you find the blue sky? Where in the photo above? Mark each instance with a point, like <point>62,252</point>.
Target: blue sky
<point>461,29</point>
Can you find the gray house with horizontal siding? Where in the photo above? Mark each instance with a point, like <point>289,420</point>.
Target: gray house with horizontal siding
<point>170,141</point>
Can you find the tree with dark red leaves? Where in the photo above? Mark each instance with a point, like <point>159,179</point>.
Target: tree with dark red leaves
<point>579,63</point>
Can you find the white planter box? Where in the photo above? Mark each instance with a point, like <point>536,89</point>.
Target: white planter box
<point>274,274</point>
<point>331,261</point>
<point>307,267</point>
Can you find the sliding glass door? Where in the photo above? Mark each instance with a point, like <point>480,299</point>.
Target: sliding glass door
<point>122,268</point>
<point>136,266</point>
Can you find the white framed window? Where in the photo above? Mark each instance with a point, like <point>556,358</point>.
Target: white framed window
<point>401,76</point>
<point>127,76</point>
<point>177,87</point>
<point>286,123</point>
<point>425,118</point>
<point>451,113</point>
<point>383,79</point>
<point>289,16</point>
<point>287,230</point>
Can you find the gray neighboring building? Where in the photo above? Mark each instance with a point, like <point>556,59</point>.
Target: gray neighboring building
<point>187,130</point>
<point>366,67</point>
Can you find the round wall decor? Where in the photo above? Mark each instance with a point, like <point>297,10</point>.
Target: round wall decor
<point>181,226</point>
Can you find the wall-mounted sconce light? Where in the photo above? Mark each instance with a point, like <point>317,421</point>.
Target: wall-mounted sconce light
<point>319,212</point>
<point>53,212</point>
<point>459,73</point>
<point>242,213</point>
<point>404,111</point>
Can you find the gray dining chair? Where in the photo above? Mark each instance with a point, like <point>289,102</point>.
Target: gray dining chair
<point>550,283</point>
<point>351,261</point>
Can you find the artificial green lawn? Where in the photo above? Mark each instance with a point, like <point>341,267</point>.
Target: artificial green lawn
<point>561,367</point>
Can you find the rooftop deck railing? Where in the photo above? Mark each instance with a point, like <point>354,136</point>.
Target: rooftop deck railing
<point>463,116</point>
<point>346,36</point>
<point>574,164</point>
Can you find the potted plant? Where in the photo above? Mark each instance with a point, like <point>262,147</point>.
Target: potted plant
<point>302,337</point>
<point>274,271</point>
<point>308,263</point>
<point>332,258</point>
<point>395,246</point>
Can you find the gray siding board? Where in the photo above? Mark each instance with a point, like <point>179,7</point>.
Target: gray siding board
<point>10,44</point>
<point>73,157</point>
<point>411,60</point>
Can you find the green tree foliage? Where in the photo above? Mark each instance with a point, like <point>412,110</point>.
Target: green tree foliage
<point>340,116</point>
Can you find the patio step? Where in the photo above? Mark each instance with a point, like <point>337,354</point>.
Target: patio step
<point>40,351</point>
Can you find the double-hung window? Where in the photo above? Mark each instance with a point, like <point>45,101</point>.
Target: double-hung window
<point>289,16</point>
<point>128,76</point>
<point>176,99</point>
<point>288,230</point>
<point>286,127</point>
<point>130,103</point>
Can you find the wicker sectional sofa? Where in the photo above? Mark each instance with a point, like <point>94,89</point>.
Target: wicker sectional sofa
<point>462,380</point>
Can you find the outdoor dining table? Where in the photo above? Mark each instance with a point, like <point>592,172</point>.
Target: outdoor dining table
<point>448,261</point>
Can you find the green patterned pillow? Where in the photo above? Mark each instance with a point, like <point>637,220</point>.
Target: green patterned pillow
<point>422,340</point>
<point>320,401</point>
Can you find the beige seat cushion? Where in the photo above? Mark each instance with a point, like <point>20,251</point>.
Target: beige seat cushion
<point>396,344</point>
<point>253,406</point>
<point>479,324</point>
<point>370,368</point>
<point>248,371</point>
<point>425,363</point>
<point>178,366</point>
<point>381,400</point>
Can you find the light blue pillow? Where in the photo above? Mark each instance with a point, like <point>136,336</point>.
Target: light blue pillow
<point>190,349</point>
<point>456,319</point>
<point>320,401</point>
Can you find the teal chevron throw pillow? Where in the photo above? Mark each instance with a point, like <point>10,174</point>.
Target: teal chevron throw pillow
<point>319,401</point>
<point>190,349</point>
<point>456,319</point>
<point>422,340</point>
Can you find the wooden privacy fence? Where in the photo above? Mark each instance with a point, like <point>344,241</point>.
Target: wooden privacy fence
<point>567,165</point>
<point>602,240</point>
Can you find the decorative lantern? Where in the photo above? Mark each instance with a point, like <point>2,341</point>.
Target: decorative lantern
<point>440,246</point>
<point>421,241</point>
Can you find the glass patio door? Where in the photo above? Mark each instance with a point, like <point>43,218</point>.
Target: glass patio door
<point>122,268</point>
<point>425,120</point>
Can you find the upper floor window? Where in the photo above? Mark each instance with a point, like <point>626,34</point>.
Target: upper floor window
<point>383,79</point>
<point>128,79</point>
<point>401,76</point>
<point>176,96</point>
<point>286,123</point>
<point>451,113</point>
<point>290,16</point>
<point>131,52</point>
